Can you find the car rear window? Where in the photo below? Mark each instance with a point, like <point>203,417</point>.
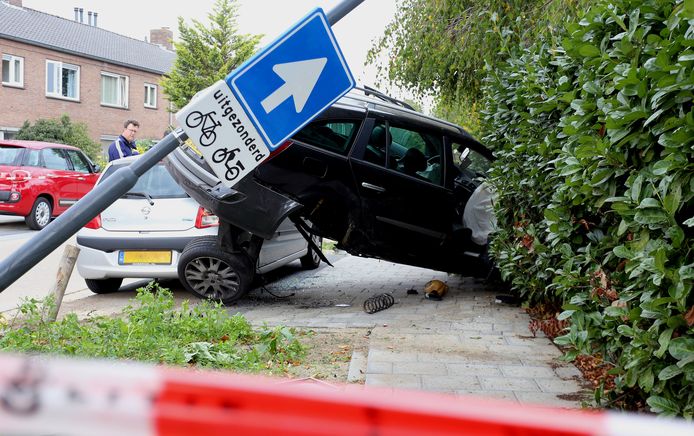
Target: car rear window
<point>333,135</point>
<point>10,155</point>
<point>156,182</point>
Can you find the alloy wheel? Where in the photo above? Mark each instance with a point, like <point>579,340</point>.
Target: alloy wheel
<point>212,277</point>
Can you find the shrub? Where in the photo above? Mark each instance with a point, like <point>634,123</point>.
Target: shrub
<point>62,131</point>
<point>600,126</point>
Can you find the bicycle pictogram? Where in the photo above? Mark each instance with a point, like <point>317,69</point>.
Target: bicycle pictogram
<point>227,156</point>
<point>207,136</point>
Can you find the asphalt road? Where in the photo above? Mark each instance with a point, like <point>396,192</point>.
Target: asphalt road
<point>12,226</point>
<point>38,282</point>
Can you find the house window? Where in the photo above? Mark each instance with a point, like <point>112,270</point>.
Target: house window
<point>150,95</point>
<point>12,70</point>
<point>8,132</point>
<point>114,90</point>
<point>62,80</point>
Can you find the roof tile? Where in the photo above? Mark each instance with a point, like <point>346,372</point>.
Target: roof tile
<point>38,28</point>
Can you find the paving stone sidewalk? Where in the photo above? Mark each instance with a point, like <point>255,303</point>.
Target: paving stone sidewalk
<point>466,344</point>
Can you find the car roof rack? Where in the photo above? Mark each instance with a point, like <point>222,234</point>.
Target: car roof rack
<point>368,91</point>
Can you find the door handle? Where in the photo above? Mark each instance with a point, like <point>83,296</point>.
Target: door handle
<point>373,187</point>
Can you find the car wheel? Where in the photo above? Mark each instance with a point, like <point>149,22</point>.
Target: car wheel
<point>208,272</point>
<point>311,260</point>
<point>104,286</point>
<point>40,214</point>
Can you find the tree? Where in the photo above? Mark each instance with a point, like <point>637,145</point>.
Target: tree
<point>62,131</point>
<point>443,47</point>
<point>207,54</point>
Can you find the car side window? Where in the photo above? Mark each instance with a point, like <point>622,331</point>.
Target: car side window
<point>54,159</point>
<point>79,161</point>
<point>32,158</point>
<point>330,135</point>
<point>417,153</point>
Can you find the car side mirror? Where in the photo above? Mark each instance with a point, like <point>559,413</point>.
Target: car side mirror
<point>97,168</point>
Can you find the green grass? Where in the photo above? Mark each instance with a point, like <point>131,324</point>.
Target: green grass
<point>328,245</point>
<point>153,330</point>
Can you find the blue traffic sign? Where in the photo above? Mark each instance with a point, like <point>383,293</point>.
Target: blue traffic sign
<point>293,80</point>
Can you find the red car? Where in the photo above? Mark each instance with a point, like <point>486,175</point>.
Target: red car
<point>40,180</point>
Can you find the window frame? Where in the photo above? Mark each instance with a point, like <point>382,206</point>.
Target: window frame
<point>59,67</point>
<point>11,59</point>
<point>126,90</point>
<point>8,132</point>
<point>390,161</point>
<point>149,86</point>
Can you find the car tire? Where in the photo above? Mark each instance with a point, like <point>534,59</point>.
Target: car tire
<point>201,241</point>
<point>311,260</point>
<point>40,214</point>
<point>210,273</point>
<point>104,286</point>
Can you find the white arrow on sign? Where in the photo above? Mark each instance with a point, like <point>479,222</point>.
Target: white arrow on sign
<point>299,80</point>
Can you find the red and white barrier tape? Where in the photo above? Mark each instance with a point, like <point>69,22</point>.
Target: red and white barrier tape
<point>40,395</point>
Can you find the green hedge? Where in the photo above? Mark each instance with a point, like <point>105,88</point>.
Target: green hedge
<point>595,139</point>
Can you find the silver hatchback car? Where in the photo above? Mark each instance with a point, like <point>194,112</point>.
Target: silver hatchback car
<point>156,230</point>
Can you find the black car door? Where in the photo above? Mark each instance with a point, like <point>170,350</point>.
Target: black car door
<point>315,171</point>
<point>407,209</point>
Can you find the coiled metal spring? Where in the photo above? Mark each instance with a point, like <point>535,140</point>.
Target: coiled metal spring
<point>378,302</point>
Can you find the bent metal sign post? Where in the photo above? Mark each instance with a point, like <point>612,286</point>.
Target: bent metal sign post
<point>237,122</point>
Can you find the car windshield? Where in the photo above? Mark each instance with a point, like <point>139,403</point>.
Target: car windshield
<point>156,182</point>
<point>9,155</point>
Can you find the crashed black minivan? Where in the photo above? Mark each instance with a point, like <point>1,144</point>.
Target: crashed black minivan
<point>371,173</point>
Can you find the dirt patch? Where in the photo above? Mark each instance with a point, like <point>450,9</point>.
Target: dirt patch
<point>329,352</point>
<point>577,396</point>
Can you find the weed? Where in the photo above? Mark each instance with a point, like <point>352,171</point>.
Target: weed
<point>151,329</point>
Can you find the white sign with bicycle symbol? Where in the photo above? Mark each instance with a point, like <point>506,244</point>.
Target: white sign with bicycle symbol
<point>217,124</point>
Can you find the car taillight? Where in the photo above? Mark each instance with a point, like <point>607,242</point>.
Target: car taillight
<point>205,219</point>
<point>279,149</point>
<point>20,176</point>
<point>95,223</point>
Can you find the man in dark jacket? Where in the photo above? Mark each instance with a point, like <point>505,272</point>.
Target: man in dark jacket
<point>125,144</point>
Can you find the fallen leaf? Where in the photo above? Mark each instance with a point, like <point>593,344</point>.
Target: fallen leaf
<point>689,316</point>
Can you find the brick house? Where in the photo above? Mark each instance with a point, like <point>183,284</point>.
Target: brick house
<point>53,66</point>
